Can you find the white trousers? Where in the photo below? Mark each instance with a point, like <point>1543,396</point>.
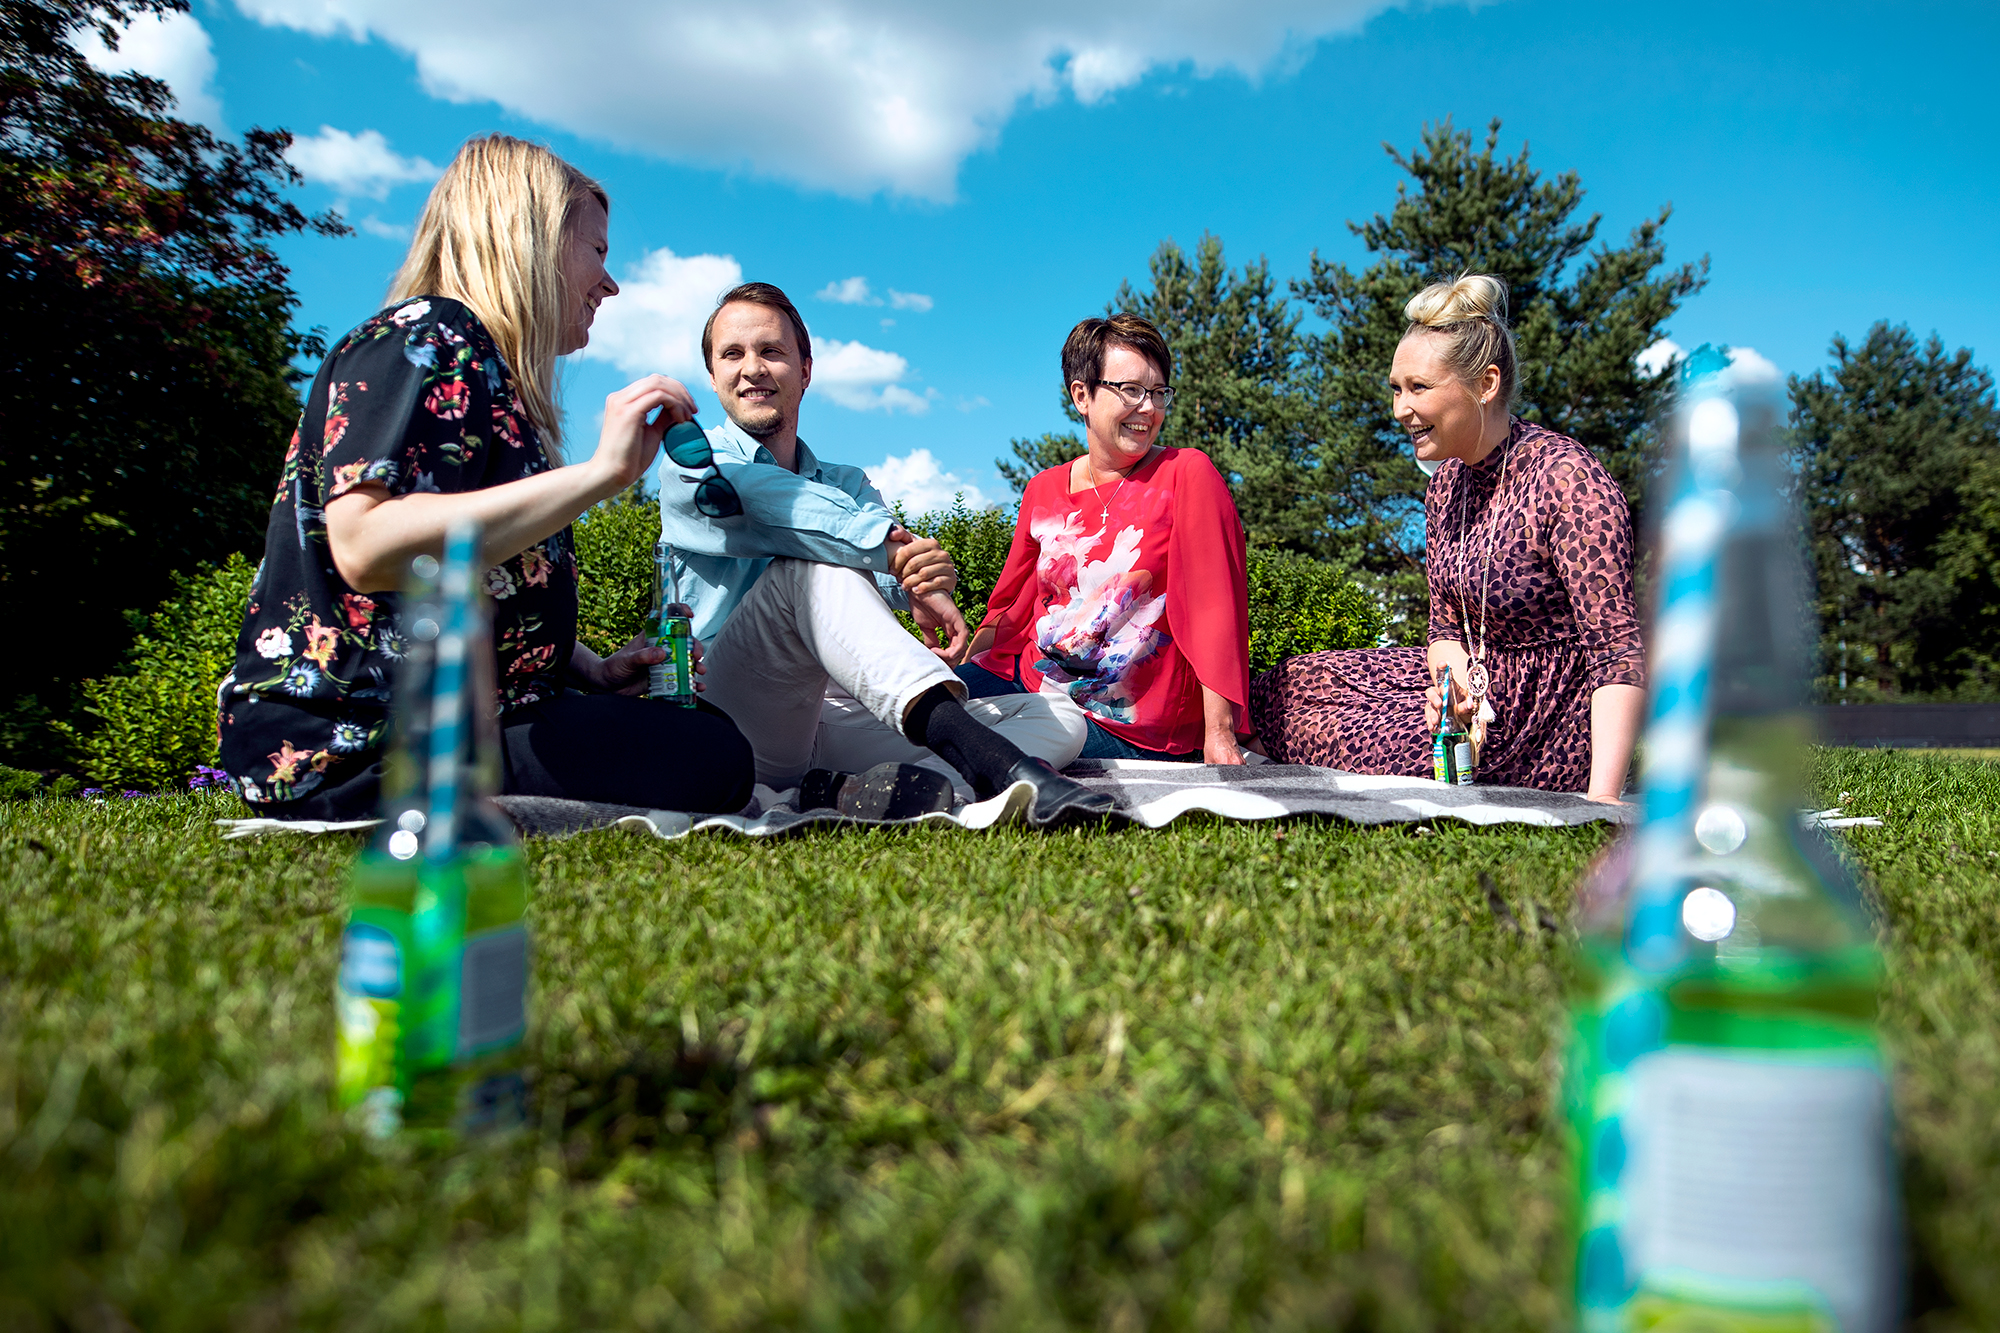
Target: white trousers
<point>817,673</point>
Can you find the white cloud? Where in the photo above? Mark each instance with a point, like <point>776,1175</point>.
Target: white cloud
<point>848,291</point>
<point>853,96</point>
<point>921,484</point>
<point>1659,356</point>
<point>1752,367</point>
<point>354,164</point>
<point>173,48</point>
<point>388,231</point>
<point>654,323</point>
<point>864,378</point>
<point>1747,365</point>
<point>916,301</point>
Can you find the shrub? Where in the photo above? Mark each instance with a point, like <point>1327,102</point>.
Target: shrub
<point>1301,605</point>
<point>614,558</point>
<point>156,718</point>
<point>978,540</point>
<point>1297,604</point>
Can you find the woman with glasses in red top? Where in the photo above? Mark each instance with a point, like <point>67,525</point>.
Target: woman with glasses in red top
<point>1124,588</point>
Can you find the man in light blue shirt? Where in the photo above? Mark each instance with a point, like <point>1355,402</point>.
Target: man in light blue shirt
<point>793,595</point>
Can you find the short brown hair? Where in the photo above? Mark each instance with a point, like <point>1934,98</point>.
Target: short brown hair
<point>1083,350</point>
<point>756,293</point>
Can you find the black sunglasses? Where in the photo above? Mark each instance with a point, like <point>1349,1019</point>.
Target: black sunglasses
<point>687,444</point>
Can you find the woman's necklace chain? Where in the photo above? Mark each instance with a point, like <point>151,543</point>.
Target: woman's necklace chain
<point>1104,514</point>
<point>1477,679</point>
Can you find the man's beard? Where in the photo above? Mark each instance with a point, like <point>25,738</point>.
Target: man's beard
<point>770,421</point>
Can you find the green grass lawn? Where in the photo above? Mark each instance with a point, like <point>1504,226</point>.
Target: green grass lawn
<point>1216,1076</point>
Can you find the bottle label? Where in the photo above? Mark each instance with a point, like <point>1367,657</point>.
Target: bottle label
<point>673,679</point>
<point>1754,1184</point>
<point>1441,760</point>
<point>493,990</point>
<point>1461,758</point>
<point>369,1012</point>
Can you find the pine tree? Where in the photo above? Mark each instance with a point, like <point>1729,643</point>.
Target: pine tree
<point>1581,318</point>
<point>1898,452</point>
<point>1235,343</point>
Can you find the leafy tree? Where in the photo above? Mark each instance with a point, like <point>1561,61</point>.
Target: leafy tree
<point>1038,454</point>
<point>1581,317</point>
<point>1898,451</point>
<point>146,388</point>
<point>1235,342</point>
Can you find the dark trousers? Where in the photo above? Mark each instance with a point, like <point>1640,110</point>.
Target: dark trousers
<point>589,747</point>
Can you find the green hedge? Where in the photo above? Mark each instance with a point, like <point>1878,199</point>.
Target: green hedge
<point>156,718</point>
<point>1301,605</point>
<point>614,556</point>
<point>1297,604</point>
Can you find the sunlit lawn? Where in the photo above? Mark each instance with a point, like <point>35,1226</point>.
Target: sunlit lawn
<point>1266,1076</point>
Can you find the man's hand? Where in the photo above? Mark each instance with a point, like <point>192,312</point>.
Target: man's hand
<point>936,611</point>
<point>920,564</point>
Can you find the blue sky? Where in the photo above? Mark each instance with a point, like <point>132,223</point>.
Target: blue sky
<point>1002,168</point>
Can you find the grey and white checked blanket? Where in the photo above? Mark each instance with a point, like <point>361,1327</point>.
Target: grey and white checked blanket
<point>1150,794</point>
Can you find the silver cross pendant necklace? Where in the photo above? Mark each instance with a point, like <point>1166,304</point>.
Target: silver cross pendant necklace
<point>1104,513</point>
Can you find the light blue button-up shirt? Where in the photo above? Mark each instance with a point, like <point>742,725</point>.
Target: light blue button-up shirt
<point>827,512</point>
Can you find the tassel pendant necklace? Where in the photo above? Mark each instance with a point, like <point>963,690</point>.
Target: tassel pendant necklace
<point>1477,680</point>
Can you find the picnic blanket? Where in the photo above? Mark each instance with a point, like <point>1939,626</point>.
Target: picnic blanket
<point>1148,793</point>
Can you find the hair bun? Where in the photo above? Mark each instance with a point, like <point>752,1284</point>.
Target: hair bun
<point>1470,296</point>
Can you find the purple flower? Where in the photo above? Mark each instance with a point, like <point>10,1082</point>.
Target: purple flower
<point>91,793</point>
<point>129,795</point>
<point>206,777</point>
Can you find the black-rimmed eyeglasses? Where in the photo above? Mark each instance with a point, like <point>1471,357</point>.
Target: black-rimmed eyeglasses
<point>1135,394</point>
<point>687,444</point>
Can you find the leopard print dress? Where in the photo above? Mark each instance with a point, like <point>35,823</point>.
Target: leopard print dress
<point>1560,623</point>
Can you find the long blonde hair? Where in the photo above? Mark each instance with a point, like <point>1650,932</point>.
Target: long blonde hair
<point>491,237</point>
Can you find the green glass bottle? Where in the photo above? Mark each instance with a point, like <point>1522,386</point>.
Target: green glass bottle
<point>1451,747</point>
<point>1726,1090</point>
<point>434,963</point>
<point>672,679</point>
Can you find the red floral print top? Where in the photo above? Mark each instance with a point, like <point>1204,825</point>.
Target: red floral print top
<point>1129,597</point>
<point>416,399</point>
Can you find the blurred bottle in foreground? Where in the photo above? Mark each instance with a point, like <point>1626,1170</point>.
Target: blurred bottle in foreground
<point>434,964</point>
<point>1727,1092</point>
<point>673,677</point>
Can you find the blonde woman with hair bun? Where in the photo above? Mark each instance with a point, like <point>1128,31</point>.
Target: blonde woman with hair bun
<point>1528,555</point>
<point>442,408</point>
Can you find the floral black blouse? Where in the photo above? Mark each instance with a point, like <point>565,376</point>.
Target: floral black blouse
<point>416,399</point>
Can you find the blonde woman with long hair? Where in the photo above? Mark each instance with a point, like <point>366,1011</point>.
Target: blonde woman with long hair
<point>1528,553</point>
<point>440,408</point>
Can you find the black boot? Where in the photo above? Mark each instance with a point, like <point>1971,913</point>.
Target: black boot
<point>1056,797</point>
<point>991,763</point>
